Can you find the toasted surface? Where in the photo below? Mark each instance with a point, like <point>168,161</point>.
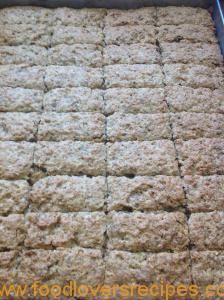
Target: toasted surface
<point>133,76</point>
<point>195,76</point>
<point>68,194</point>
<point>199,100</point>
<point>72,76</point>
<point>201,156</point>
<point>204,193</point>
<point>142,158</point>
<point>25,15</point>
<point>47,230</point>
<point>14,196</point>
<point>142,16</point>
<point>186,32</point>
<point>20,99</point>
<point>183,15</point>
<point>82,17</point>
<point>25,34</point>
<point>22,76</point>
<point>148,193</point>
<point>123,266</point>
<point>29,55</point>
<point>189,126</point>
<point>16,160</point>
<point>141,127</point>
<point>71,126</point>
<point>135,100</point>
<point>80,55</point>
<point>147,232</point>
<point>69,158</point>
<point>131,54</point>
<point>212,264</point>
<point>212,223</point>
<point>130,34</point>
<point>186,52</point>
<point>18,126</point>
<point>111,148</point>
<point>76,35</point>
<point>61,265</point>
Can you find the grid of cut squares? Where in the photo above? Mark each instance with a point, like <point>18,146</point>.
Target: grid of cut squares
<point>111,124</point>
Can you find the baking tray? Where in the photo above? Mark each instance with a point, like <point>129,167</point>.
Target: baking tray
<point>124,4</point>
<point>218,16</point>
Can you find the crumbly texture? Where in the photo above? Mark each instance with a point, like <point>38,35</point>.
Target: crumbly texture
<point>155,193</point>
<point>187,32</point>
<point>59,266</point>
<point>20,99</point>
<point>185,52</point>
<point>25,15</point>
<point>204,193</point>
<point>72,76</point>
<point>80,99</point>
<point>194,76</point>
<point>183,15</point>
<point>29,55</point>
<point>212,264</point>
<point>80,55</point>
<point>69,158</point>
<point>25,34</point>
<point>133,76</point>
<point>29,77</point>
<point>76,35</point>
<point>133,17</point>
<point>111,147</point>
<point>201,156</point>
<point>141,127</point>
<point>199,100</point>
<point>18,126</point>
<point>15,160</point>
<point>14,196</point>
<point>135,100</point>
<point>202,223</point>
<point>131,54</point>
<point>68,194</point>
<point>13,231</point>
<point>147,232</point>
<point>47,230</point>
<point>8,266</point>
<point>142,158</point>
<point>123,266</point>
<point>81,17</point>
<point>130,35</point>
<point>188,126</point>
<point>71,126</point>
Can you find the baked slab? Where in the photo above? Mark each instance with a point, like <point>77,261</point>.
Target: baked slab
<point>111,147</point>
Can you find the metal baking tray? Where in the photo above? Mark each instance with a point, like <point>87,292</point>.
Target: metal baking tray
<point>123,4</point>
<point>218,16</point>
